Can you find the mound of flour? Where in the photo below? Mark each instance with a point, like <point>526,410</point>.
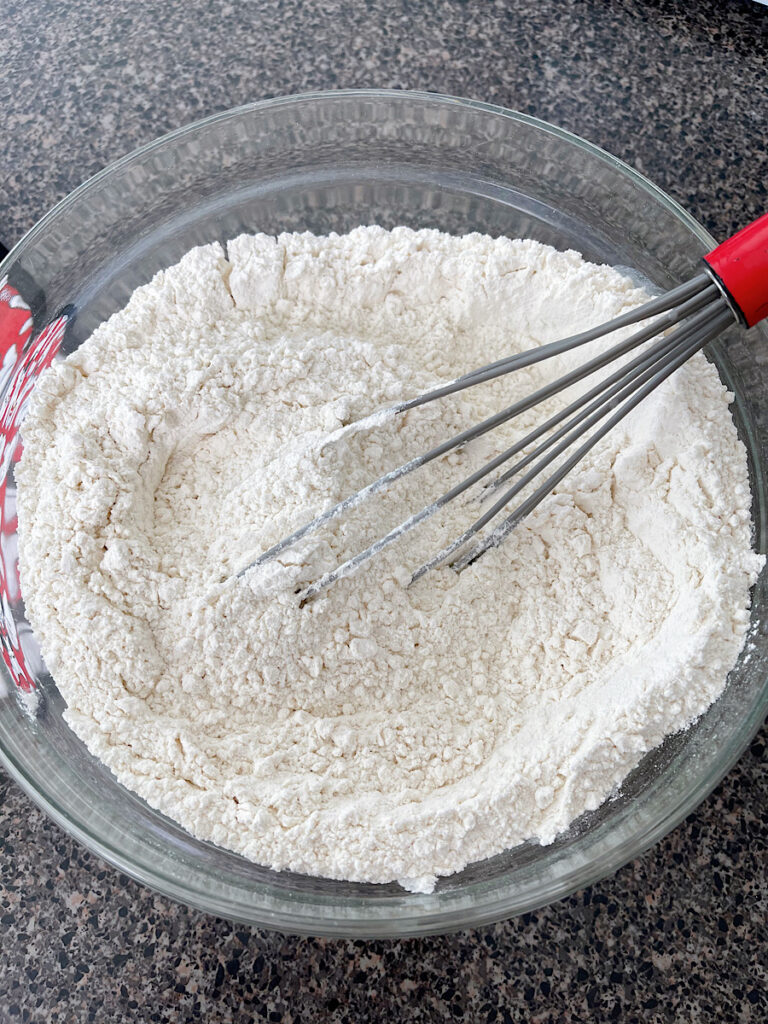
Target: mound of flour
<point>380,732</point>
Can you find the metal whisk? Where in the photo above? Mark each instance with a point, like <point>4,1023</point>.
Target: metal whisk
<point>732,288</point>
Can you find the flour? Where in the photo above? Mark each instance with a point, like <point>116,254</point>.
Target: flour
<point>380,732</point>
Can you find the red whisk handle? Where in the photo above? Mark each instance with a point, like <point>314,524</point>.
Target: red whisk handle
<point>741,266</point>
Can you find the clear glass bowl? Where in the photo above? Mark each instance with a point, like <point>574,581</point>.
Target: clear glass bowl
<point>323,163</point>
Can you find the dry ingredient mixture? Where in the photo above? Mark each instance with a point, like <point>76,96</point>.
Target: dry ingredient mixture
<point>381,732</point>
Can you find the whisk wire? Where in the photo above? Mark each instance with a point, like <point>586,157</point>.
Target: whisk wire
<point>604,391</point>
<point>669,309</point>
<point>694,299</point>
<point>670,363</point>
<point>611,392</point>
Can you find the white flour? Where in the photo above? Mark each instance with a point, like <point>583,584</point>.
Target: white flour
<point>379,732</point>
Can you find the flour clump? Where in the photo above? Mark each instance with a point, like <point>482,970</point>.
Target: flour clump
<point>382,731</point>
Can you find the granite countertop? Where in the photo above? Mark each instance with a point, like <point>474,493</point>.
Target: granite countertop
<point>676,89</point>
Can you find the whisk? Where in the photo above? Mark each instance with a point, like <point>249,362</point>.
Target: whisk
<point>733,287</point>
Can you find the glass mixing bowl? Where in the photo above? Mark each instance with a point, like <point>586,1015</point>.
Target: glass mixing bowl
<point>329,162</point>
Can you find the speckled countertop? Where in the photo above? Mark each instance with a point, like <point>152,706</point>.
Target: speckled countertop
<point>677,89</point>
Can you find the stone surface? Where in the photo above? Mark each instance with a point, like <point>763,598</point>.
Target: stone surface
<point>676,89</point>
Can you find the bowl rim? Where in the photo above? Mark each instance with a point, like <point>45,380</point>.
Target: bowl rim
<point>329,94</point>
<point>296,916</point>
